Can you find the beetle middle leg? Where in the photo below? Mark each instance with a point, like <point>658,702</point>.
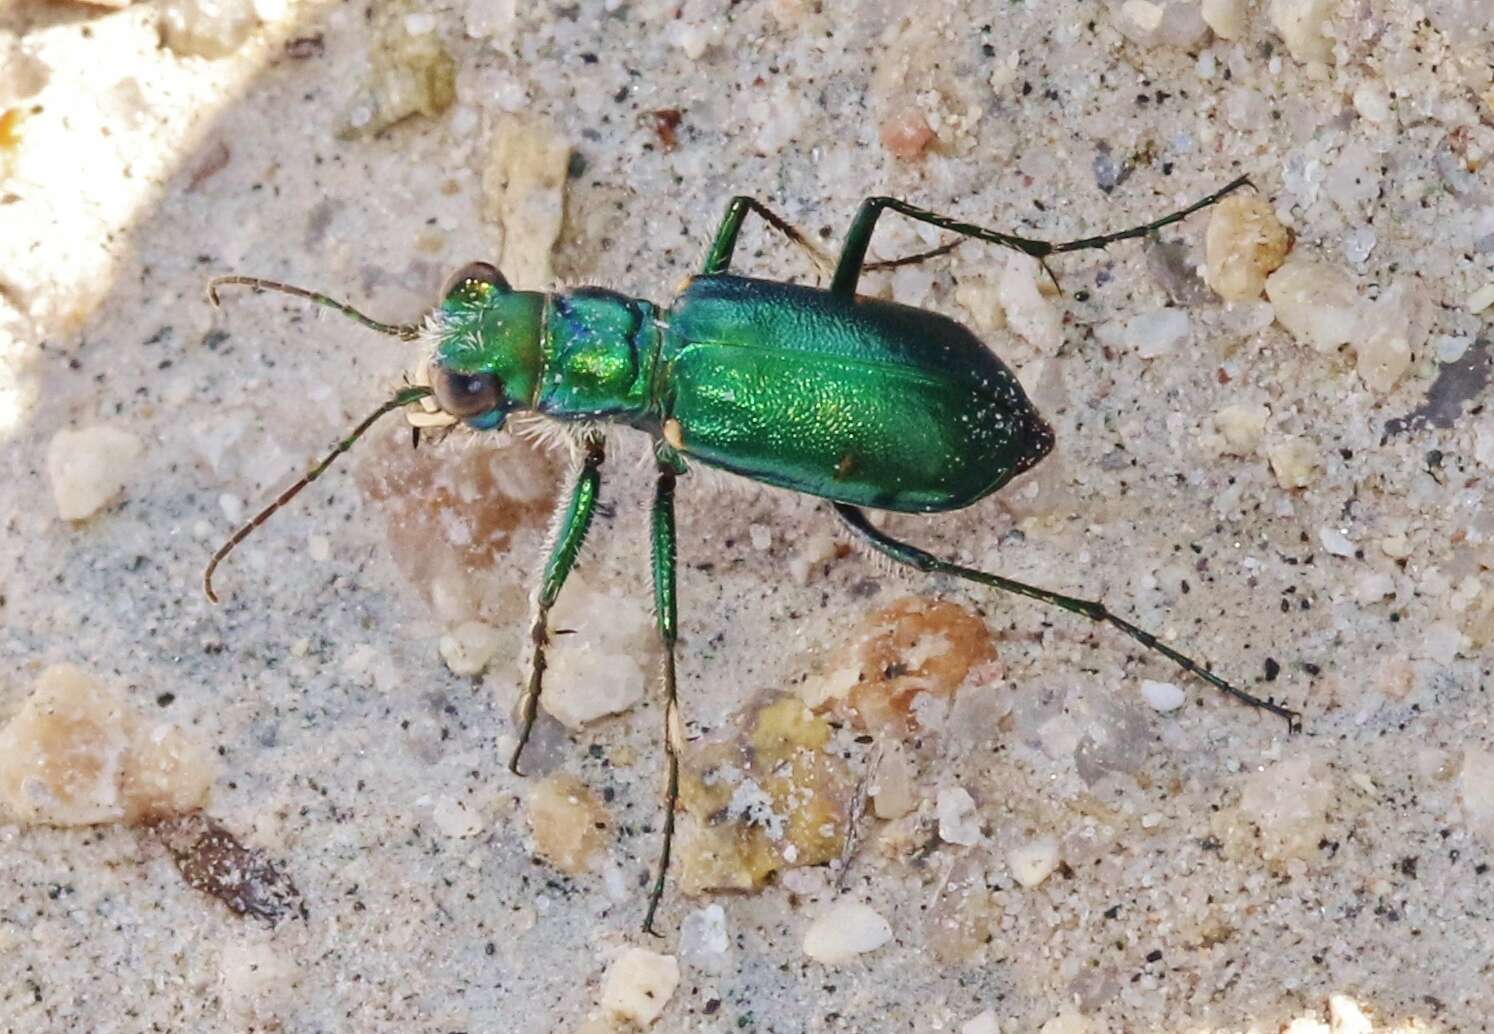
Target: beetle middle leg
<point>853,253</point>
<point>570,532</point>
<point>664,557</point>
<point>912,556</point>
<point>718,258</point>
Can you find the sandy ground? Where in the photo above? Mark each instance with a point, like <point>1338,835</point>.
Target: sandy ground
<point>1240,477</point>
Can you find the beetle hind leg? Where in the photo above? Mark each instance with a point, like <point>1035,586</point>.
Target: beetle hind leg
<point>913,557</point>
<point>853,262</point>
<point>723,245</point>
<point>718,258</point>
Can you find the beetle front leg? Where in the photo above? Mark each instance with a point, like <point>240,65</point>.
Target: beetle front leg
<point>920,560</point>
<point>571,525</point>
<point>662,533</point>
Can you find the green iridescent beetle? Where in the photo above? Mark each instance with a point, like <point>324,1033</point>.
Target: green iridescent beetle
<point>861,402</point>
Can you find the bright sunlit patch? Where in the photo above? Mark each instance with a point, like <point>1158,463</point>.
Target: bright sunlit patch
<point>87,163</point>
<point>15,396</point>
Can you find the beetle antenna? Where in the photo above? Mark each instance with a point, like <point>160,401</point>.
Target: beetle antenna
<point>403,331</point>
<point>401,398</point>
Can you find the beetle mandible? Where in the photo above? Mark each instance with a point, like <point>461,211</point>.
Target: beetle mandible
<point>865,403</point>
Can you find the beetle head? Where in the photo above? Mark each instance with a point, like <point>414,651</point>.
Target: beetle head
<point>485,357</point>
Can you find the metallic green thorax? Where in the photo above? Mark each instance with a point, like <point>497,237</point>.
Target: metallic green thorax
<point>578,355</point>
<point>851,399</point>
<point>599,347</point>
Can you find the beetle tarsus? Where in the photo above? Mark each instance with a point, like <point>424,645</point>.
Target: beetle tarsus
<point>1094,610</point>
<point>664,560</point>
<point>569,534</point>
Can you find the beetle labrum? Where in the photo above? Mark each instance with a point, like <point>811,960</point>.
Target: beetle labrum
<point>867,404</point>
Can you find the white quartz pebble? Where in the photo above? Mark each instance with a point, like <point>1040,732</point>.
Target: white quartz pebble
<point>1293,460</point>
<point>1034,861</point>
<point>1226,17</point>
<point>1032,316</point>
<point>89,467</point>
<point>639,984</point>
<point>1336,542</point>
<point>1315,303</point>
<point>1162,696</point>
<point>1346,1017</point>
<point>959,823</point>
<point>1241,425</point>
<point>469,647</point>
<point>1303,26</point>
<point>1156,333</point>
<point>848,929</point>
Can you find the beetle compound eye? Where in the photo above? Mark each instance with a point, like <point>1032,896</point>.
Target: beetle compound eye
<point>465,394</point>
<point>475,272</point>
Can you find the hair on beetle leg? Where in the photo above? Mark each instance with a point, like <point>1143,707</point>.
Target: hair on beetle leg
<point>881,563</point>
<point>645,455</point>
<point>557,521</point>
<point>579,434</point>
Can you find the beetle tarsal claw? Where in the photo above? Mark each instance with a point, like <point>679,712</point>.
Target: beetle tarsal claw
<point>424,419</point>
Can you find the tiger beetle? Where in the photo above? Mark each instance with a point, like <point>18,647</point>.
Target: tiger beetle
<point>865,403</point>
